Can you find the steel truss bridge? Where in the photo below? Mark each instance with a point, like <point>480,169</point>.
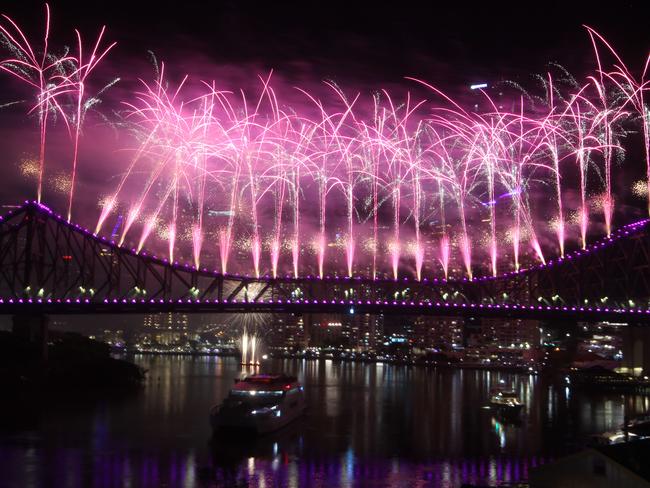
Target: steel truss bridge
<point>49,266</point>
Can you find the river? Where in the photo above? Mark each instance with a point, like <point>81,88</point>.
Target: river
<point>366,425</point>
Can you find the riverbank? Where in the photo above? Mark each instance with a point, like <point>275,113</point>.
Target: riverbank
<point>356,360</point>
<point>70,364</point>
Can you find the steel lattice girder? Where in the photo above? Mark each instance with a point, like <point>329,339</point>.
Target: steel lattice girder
<point>43,256</point>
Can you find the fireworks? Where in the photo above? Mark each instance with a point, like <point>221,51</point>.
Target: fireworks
<point>39,71</point>
<point>640,189</point>
<point>75,82</point>
<point>103,201</point>
<point>61,183</point>
<point>353,185</point>
<point>29,168</point>
<point>53,79</point>
<point>249,345</point>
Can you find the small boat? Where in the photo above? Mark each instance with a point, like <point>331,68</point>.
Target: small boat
<point>639,425</point>
<point>505,401</point>
<point>260,403</point>
<point>608,438</point>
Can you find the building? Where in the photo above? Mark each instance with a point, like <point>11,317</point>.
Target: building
<point>326,332</point>
<point>217,330</point>
<point>165,331</point>
<point>288,332</point>
<point>636,350</point>
<point>603,339</point>
<point>510,333</point>
<point>438,333</point>
<point>503,341</point>
<point>356,332</point>
<point>362,333</point>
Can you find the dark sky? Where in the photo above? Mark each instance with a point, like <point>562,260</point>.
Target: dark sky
<point>447,42</point>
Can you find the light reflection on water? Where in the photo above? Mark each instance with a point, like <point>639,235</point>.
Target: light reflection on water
<point>366,424</point>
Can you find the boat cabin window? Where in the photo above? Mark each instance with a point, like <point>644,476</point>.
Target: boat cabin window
<point>509,394</point>
<point>256,393</point>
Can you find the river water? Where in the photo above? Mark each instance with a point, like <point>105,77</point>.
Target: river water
<point>366,425</point>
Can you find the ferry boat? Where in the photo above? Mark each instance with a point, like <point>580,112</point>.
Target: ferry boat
<point>260,403</point>
<point>505,401</point>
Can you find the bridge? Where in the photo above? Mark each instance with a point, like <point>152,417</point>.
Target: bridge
<point>50,266</point>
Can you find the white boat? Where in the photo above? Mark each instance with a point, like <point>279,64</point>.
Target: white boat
<point>505,401</point>
<point>260,403</point>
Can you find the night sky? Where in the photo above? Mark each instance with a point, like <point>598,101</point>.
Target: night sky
<point>375,43</point>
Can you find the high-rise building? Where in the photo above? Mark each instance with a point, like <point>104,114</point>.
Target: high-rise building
<point>440,333</point>
<point>510,333</point>
<point>326,331</point>
<point>287,331</point>
<point>364,331</point>
<point>170,329</point>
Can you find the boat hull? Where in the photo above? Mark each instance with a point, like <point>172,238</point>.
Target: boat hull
<point>262,422</point>
<point>507,410</point>
<point>257,424</point>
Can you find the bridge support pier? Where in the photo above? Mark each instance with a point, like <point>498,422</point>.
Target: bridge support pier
<point>636,349</point>
<point>33,328</point>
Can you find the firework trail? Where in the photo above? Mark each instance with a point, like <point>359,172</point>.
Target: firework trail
<point>78,79</point>
<point>42,72</point>
<point>632,87</point>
